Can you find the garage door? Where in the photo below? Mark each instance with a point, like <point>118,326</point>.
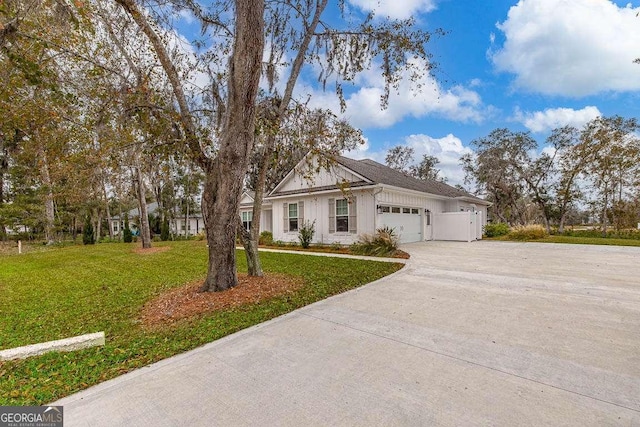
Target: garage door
<point>407,222</point>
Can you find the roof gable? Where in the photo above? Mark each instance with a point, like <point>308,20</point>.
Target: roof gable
<point>309,176</point>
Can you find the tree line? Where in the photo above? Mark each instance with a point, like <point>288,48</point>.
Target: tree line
<point>105,106</point>
<point>595,169</point>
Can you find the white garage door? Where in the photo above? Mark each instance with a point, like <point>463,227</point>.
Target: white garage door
<point>407,222</point>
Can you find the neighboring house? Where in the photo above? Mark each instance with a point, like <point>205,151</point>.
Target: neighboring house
<point>360,196</point>
<point>194,224</point>
<point>246,212</point>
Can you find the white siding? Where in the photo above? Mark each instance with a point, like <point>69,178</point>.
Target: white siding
<point>316,207</point>
<point>456,226</point>
<point>196,226</point>
<point>246,199</point>
<point>299,181</point>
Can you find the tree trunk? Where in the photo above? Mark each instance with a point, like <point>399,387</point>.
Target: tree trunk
<point>547,225</point>
<point>220,203</point>
<point>251,250</point>
<point>145,232</point>
<point>561,225</point>
<point>604,211</point>
<point>98,226</point>
<point>49,208</point>
<point>225,175</point>
<point>106,206</point>
<point>251,239</point>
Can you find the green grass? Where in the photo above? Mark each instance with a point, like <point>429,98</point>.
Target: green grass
<point>576,240</point>
<point>590,241</point>
<point>82,289</point>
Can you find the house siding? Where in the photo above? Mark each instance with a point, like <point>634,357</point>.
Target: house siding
<point>336,174</point>
<point>316,208</point>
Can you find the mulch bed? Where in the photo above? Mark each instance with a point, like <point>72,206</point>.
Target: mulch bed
<point>187,301</point>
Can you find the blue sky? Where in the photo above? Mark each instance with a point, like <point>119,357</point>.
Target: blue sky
<point>528,65</point>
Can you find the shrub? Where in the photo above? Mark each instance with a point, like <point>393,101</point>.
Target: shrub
<point>266,238</point>
<point>632,234</point>
<point>496,229</point>
<point>127,235</point>
<point>383,243</point>
<point>164,230</point>
<point>336,246</point>
<point>306,232</point>
<point>88,238</point>
<point>527,232</point>
<point>279,243</point>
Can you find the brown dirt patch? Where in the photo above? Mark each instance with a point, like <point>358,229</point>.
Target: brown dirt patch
<point>151,250</point>
<point>187,301</point>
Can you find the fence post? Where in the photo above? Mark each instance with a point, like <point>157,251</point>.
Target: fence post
<point>19,246</point>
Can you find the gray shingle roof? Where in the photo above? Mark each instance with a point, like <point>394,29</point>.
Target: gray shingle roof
<point>381,174</point>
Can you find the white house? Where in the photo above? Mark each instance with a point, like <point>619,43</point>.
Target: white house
<point>194,224</point>
<point>246,212</point>
<point>359,196</point>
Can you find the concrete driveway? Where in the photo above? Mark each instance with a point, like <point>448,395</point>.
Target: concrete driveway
<point>486,333</point>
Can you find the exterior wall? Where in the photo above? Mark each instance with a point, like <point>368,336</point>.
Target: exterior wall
<point>192,225</point>
<point>323,178</point>
<point>456,226</point>
<point>424,203</point>
<point>266,218</point>
<point>316,208</point>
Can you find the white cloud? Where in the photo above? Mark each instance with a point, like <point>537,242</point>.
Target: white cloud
<point>396,9</point>
<point>412,98</point>
<point>571,48</point>
<point>551,118</point>
<point>447,149</point>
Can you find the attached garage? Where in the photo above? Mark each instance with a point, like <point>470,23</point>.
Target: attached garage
<point>353,198</point>
<point>406,221</point>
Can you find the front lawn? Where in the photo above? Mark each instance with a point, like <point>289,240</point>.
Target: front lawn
<point>591,240</point>
<point>77,290</point>
<point>574,240</point>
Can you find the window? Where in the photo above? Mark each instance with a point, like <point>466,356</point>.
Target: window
<point>406,210</point>
<point>395,209</point>
<point>342,215</point>
<point>293,217</point>
<point>247,217</point>
<point>415,211</point>
<point>115,227</point>
<point>386,209</point>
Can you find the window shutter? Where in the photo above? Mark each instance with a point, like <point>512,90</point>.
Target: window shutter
<point>285,215</point>
<point>353,215</point>
<point>300,215</point>
<point>332,216</point>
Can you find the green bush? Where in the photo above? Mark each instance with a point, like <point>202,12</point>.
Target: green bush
<point>496,229</point>
<point>336,246</point>
<point>88,238</point>
<point>127,235</point>
<point>266,238</point>
<point>631,234</point>
<point>527,232</point>
<point>279,243</point>
<point>306,232</point>
<point>383,243</point>
<point>164,230</point>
